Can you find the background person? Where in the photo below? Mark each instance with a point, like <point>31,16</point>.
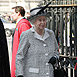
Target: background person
<point>22,24</point>
<point>27,15</point>
<point>4,57</point>
<point>38,48</point>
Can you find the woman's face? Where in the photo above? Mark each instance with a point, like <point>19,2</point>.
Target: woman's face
<point>40,23</point>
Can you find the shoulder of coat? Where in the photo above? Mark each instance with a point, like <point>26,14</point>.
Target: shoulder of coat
<point>26,33</point>
<point>49,31</point>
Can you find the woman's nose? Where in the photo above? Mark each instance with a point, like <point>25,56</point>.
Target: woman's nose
<point>42,21</point>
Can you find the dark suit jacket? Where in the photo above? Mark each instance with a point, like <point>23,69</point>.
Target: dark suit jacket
<point>4,58</point>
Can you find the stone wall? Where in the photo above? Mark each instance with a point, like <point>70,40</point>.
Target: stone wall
<point>6,5</point>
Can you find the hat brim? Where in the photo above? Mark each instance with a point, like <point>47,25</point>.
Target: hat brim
<point>31,18</point>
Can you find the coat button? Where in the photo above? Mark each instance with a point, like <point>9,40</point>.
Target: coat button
<point>44,45</point>
<point>47,64</point>
<point>47,73</point>
<point>46,54</point>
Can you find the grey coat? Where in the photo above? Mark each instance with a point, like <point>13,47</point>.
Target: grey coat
<point>34,53</point>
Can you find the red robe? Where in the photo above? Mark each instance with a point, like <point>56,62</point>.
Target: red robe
<point>22,25</point>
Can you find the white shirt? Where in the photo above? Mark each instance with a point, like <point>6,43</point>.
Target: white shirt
<point>46,34</point>
<point>19,19</point>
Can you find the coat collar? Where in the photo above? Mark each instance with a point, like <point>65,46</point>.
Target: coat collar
<point>36,35</point>
<point>19,19</point>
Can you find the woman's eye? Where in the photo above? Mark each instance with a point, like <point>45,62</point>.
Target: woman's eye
<point>39,19</point>
<point>42,20</point>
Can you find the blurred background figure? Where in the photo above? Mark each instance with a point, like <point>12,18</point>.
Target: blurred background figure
<point>4,57</point>
<point>22,24</point>
<point>27,15</point>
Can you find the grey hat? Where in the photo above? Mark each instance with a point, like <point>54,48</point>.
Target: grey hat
<point>40,11</point>
<point>37,12</point>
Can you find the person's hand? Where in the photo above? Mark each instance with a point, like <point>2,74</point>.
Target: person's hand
<point>20,76</point>
<point>52,60</point>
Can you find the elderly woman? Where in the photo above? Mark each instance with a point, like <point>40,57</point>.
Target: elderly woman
<point>38,48</point>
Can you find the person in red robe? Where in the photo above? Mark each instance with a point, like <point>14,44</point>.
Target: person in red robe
<point>22,24</point>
